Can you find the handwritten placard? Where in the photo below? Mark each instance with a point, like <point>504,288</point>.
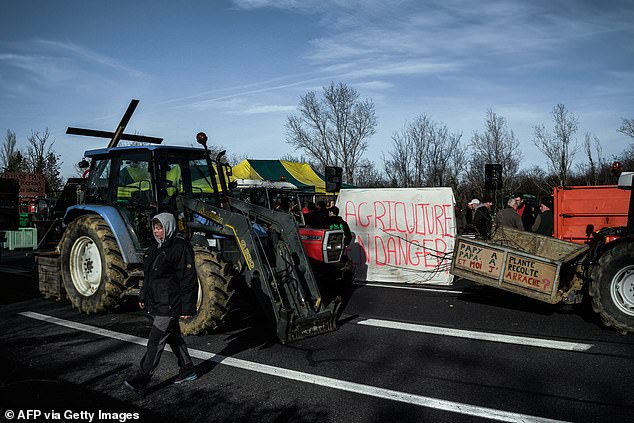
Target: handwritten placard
<point>529,273</point>
<point>483,260</point>
<point>401,233</point>
<point>31,184</point>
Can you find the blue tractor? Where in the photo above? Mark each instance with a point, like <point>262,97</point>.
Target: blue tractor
<point>103,228</point>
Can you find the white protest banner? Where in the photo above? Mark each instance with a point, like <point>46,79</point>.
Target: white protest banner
<point>401,234</point>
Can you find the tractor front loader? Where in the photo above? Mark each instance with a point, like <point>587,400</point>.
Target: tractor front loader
<point>274,265</point>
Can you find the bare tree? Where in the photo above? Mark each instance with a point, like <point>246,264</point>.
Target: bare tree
<point>424,153</point>
<point>12,159</point>
<point>368,176</point>
<point>593,172</point>
<point>334,130</point>
<point>535,180</point>
<point>8,148</point>
<point>41,158</point>
<point>627,158</point>
<point>497,144</point>
<point>559,148</point>
<point>627,128</point>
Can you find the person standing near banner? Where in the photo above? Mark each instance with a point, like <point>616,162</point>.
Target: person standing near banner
<point>482,219</point>
<point>471,207</point>
<point>336,222</point>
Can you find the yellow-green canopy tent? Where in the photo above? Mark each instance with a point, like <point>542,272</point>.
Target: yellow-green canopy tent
<point>299,174</point>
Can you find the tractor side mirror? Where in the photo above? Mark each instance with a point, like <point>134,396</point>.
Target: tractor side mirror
<point>84,164</point>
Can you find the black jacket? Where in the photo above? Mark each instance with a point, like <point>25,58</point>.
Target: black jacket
<point>483,221</point>
<point>170,285</point>
<point>545,223</point>
<point>337,222</point>
<point>317,219</point>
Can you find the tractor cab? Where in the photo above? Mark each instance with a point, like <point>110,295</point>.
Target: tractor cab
<point>142,181</point>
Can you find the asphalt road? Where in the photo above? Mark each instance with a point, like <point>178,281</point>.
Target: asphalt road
<point>402,354</point>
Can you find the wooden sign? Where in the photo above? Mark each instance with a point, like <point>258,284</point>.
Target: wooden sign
<point>475,258</point>
<point>529,273</point>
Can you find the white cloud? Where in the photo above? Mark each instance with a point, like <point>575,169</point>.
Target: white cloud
<point>278,4</point>
<point>270,108</point>
<point>90,56</point>
<point>409,67</point>
<point>41,69</point>
<point>374,85</point>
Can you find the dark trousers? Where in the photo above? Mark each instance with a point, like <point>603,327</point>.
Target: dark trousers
<point>165,330</point>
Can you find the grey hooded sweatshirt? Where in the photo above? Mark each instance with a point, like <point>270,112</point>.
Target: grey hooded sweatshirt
<point>169,224</point>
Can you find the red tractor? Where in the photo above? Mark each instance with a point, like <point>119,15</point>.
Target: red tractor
<point>324,248</point>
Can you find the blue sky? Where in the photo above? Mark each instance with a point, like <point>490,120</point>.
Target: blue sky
<point>237,69</point>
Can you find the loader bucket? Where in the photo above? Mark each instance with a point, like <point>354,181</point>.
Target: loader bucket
<point>315,324</point>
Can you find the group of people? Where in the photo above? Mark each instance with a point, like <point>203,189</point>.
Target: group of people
<point>517,214</point>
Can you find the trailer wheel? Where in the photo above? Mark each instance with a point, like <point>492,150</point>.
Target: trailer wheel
<point>93,271</point>
<point>612,287</point>
<point>215,290</point>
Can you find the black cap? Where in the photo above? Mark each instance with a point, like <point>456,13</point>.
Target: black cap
<point>548,202</point>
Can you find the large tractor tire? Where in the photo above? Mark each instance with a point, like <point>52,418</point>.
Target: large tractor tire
<point>612,287</point>
<point>215,291</point>
<point>93,271</point>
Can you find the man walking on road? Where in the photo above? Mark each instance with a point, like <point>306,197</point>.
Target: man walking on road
<point>170,290</point>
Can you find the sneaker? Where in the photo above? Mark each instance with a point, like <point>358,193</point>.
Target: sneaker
<point>186,377</point>
<point>135,385</point>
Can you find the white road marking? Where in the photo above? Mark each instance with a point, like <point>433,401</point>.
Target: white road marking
<point>15,270</point>
<point>482,336</point>
<point>411,288</point>
<point>358,388</point>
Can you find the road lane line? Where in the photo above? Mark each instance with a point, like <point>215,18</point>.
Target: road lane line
<point>411,288</point>
<point>16,271</point>
<point>358,388</point>
<point>482,336</point>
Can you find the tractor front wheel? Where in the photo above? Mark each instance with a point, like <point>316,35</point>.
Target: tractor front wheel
<point>612,287</point>
<point>93,271</point>
<point>215,290</point>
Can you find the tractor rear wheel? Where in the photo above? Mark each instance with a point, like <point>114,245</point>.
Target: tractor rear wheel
<point>215,291</point>
<point>93,270</point>
<point>612,287</point>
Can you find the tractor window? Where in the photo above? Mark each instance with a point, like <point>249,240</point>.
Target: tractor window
<point>174,179</point>
<point>134,182</point>
<point>179,174</point>
<point>201,182</point>
<point>98,180</point>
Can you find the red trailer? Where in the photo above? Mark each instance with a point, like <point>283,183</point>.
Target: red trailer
<point>581,210</point>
